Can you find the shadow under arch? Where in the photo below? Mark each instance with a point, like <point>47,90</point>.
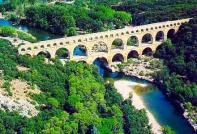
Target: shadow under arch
<point>147,51</point>
<point>171,33</point>
<point>147,39</point>
<point>118,58</point>
<point>45,54</point>
<point>159,36</point>
<point>132,54</point>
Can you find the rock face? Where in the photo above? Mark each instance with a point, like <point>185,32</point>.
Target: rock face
<point>20,99</point>
<point>24,107</point>
<point>143,68</point>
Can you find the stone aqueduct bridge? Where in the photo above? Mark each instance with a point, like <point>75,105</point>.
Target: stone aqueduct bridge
<point>101,45</point>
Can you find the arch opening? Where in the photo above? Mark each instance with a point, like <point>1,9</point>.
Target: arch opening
<point>133,41</point>
<point>133,54</point>
<point>117,44</point>
<point>147,51</point>
<point>62,53</point>
<point>100,47</point>
<point>160,36</point>
<point>44,54</point>
<point>171,33</point>
<point>102,65</point>
<point>80,50</point>
<point>147,39</point>
<point>118,58</point>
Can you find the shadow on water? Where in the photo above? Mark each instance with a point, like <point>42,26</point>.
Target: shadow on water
<point>164,112</point>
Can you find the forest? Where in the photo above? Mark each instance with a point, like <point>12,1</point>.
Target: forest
<point>74,99</point>
<point>180,57</point>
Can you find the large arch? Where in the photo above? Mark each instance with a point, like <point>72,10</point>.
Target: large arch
<point>132,54</point>
<point>117,44</point>
<point>62,53</point>
<point>133,41</point>
<point>171,33</point>
<point>100,47</point>
<point>147,51</point>
<point>147,39</point>
<point>45,54</point>
<point>159,36</point>
<point>80,50</point>
<point>118,58</point>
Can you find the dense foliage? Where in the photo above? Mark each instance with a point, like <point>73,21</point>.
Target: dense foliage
<point>12,32</point>
<point>63,19</point>
<point>151,11</point>
<point>75,99</point>
<point>180,56</point>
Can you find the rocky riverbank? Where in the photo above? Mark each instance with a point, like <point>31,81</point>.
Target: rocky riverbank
<point>143,68</point>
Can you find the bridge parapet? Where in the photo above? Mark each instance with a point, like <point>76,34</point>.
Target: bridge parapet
<point>106,39</point>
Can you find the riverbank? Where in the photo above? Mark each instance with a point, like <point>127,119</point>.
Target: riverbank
<point>145,67</point>
<point>125,88</point>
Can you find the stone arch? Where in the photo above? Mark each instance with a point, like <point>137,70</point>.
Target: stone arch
<point>27,55</point>
<point>118,58</point>
<point>80,50</point>
<point>170,33</point>
<point>23,49</point>
<point>100,47</point>
<point>147,39</point>
<point>101,61</point>
<point>147,51</point>
<point>133,41</point>
<point>62,53</point>
<point>133,54</point>
<point>46,54</point>
<point>159,36</point>
<point>118,44</point>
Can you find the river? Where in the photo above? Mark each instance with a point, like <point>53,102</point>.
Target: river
<point>41,35</point>
<point>155,102</point>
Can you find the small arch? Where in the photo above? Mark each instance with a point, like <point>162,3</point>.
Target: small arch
<point>23,49</point>
<point>27,55</point>
<point>35,47</point>
<point>171,33</point>
<point>117,44</point>
<point>133,41</point>
<point>147,51</point>
<point>80,50</point>
<point>29,48</point>
<point>45,54</point>
<point>101,61</point>
<point>118,58</point>
<point>82,62</point>
<point>147,39</point>
<point>42,46</point>
<point>48,45</point>
<point>133,54</point>
<point>67,42</point>
<point>100,47</point>
<point>55,44</point>
<point>62,53</point>
<point>101,37</point>
<point>159,36</point>
<point>61,43</point>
